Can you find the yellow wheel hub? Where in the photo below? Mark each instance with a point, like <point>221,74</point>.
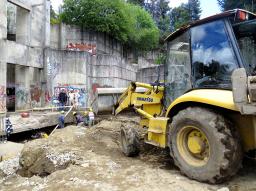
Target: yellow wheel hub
<point>196,143</point>
<point>193,146</point>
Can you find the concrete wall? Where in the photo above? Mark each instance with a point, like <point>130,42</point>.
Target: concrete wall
<point>150,75</point>
<point>83,72</point>
<point>30,21</point>
<point>39,23</point>
<point>11,18</point>
<point>27,87</point>
<point>49,58</point>
<point>111,71</point>
<point>67,37</point>
<point>66,70</point>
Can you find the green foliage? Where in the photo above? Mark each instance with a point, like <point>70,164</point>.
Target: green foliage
<point>249,5</point>
<point>161,58</point>
<point>136,2</point>
<point>185,13</point>
<point>159,10</point>
<point>126,22</point>
<point>180,16</point>
<point>194,9</point>
<point>54,18</point>
<point>145,34</point>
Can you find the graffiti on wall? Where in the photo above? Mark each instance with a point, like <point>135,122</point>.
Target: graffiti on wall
<point>22,97</point>
<point>73,92</point>
<point>53,68</point>
<point>35,93</point>
<point>47,97</point>
<point>96,85</point>
<point>91,48</point>
<point>2,98</point>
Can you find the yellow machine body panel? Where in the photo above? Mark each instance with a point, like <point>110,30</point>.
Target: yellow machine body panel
<point>149,106</point>
<point>220,98</point>
<point>157,131</point>
<point>246,127</point>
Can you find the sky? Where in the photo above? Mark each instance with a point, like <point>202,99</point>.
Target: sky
<point>209,7</point>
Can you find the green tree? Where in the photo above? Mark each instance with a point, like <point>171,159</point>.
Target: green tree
<point>185,13</point>
<point>159,9</point>
<point>145,33</point>
<point>137,2</point>
<point>124,21</point>
<point>233,4</point>
<point>54,17</point>
<point>194,9</point>
<point>179,16</point>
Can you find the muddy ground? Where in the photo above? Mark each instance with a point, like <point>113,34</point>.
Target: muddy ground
<point>78,158</point>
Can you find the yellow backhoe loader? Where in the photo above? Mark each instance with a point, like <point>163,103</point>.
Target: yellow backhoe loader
<point>205,111</point>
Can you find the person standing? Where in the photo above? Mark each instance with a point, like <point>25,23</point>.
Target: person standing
<point>63,98</point>
<point>62,120</point>
<point>8,128</point>
<point>91,117</point>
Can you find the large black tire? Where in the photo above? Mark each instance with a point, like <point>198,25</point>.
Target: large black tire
<point>130,141</point>
<point>223,143</point>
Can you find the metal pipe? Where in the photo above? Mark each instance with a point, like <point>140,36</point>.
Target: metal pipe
<point>145,114</point>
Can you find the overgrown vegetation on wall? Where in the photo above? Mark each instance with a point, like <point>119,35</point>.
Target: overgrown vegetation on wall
<point>126,22</point>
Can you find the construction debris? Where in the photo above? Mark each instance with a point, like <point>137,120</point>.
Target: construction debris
<point>79,158</point>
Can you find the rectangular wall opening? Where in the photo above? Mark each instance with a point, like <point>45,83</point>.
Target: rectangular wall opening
<point>10,89</point>
<point>11,21</point>
<point>17,23</point>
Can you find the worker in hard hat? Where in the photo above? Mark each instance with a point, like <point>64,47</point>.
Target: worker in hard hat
<point>91,117</point>
<point>62,119</point>
<point>78,118</point>
<point>86,118</point>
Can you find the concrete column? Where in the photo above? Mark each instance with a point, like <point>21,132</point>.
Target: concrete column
<point>22,81</point>
<point>3,20</point>
<point>47,25</point>
<point>62,37</point>
<point>22,26</point>
<point>3,69</point>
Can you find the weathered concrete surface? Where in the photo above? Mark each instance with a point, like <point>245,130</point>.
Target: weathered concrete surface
<point>39,23</point>
<point>62,36</point>
<point>10,150</point>
<point>37,120</point>
<point>78,60</point>
<point>21,4</point>
<point>150,74</point>
<point>22,26</point>
<point>66,70</point>
<point>3,69</point>
<point>28,87</point>
<point>3,20</point>
<point>111,71</point>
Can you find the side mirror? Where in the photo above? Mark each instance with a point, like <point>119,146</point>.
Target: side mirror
<point>239,86</point>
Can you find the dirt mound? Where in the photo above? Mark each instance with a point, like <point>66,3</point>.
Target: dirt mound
<point>78,158</point>
<point>44,156</point>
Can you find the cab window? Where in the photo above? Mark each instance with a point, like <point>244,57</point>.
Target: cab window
<point>213,59</point>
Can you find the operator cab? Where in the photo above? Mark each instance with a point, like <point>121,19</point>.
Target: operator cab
<point>204,54</point>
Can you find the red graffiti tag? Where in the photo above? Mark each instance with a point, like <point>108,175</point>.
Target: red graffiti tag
<point>91,48</point>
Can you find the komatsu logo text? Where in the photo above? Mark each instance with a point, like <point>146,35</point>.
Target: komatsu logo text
<point>145,99</point>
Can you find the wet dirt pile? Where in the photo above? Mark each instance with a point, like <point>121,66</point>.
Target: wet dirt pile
<point>78,158</point>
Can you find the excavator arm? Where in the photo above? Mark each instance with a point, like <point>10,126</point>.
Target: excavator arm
<point>148,104</point>
<point>149,97</point>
